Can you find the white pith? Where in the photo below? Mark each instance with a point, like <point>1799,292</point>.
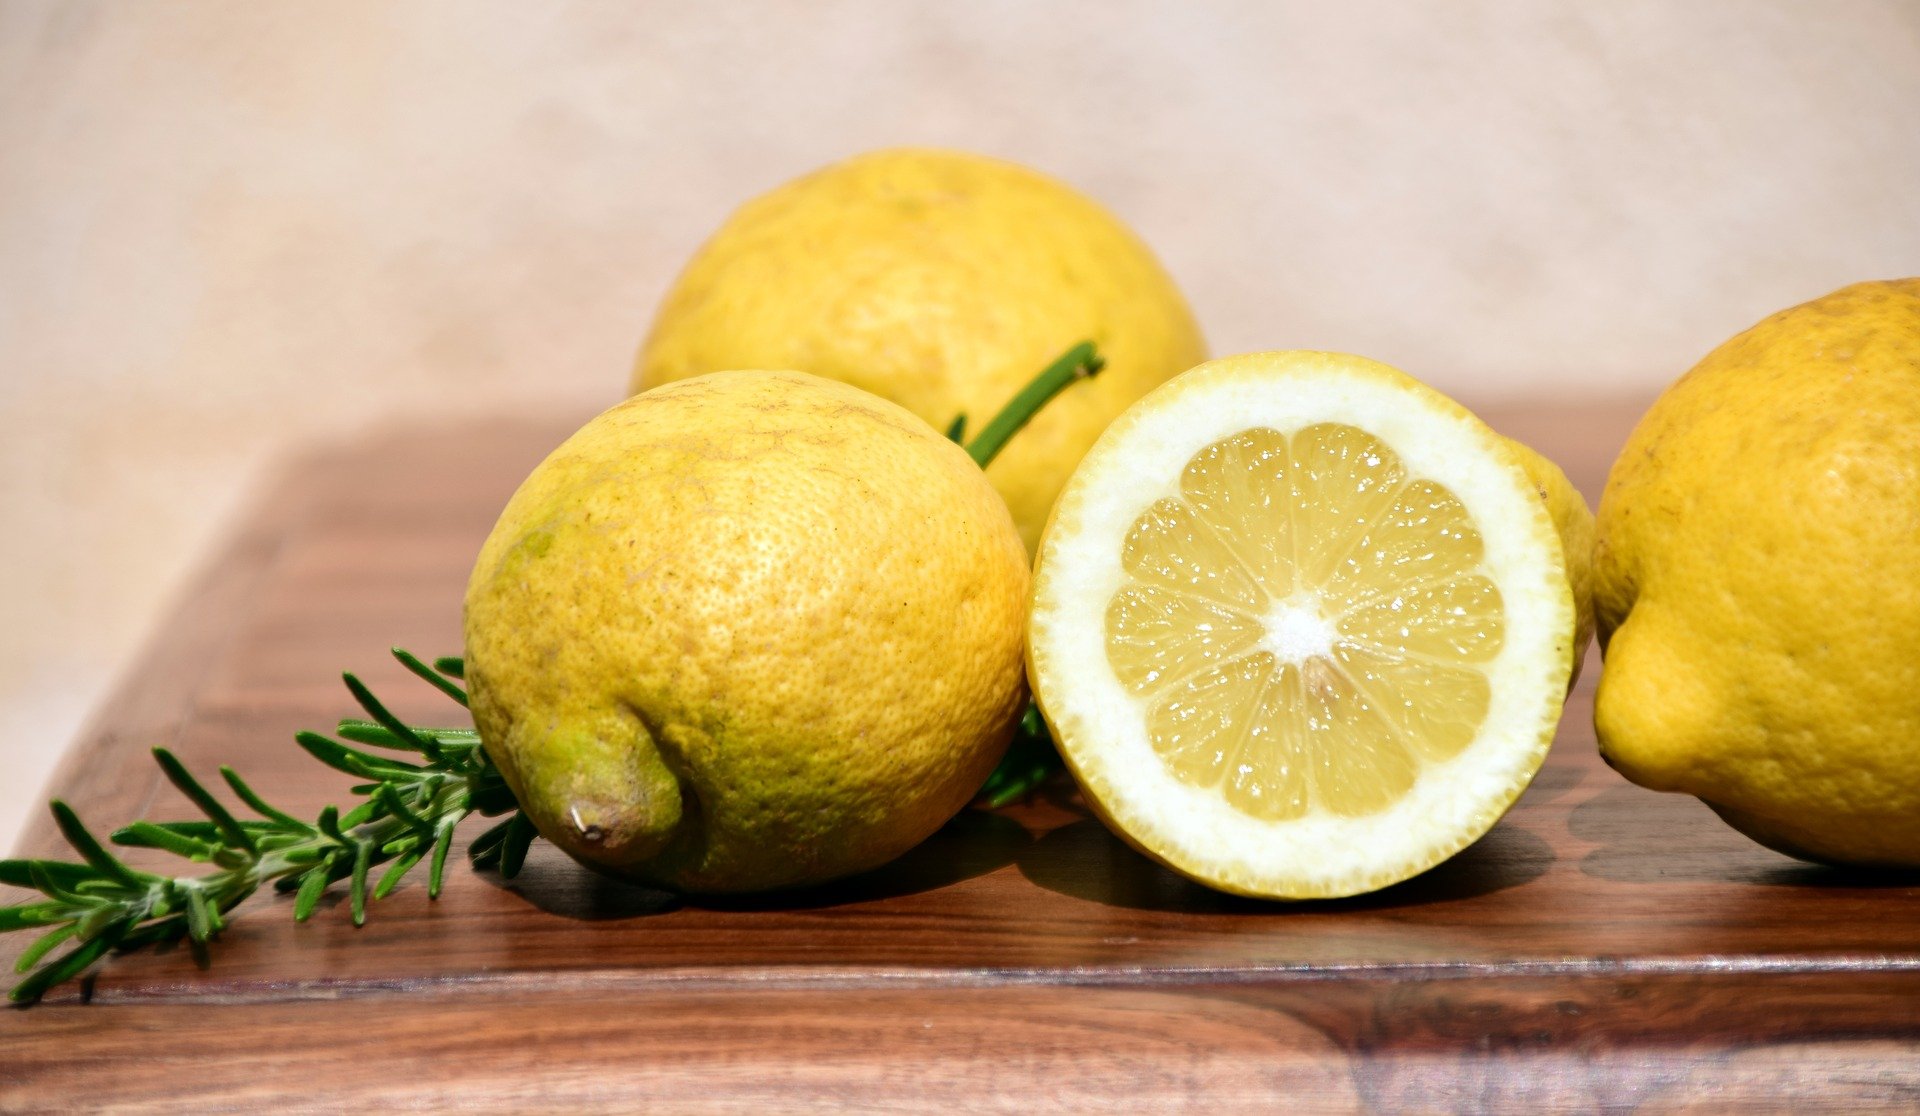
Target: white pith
<point>1101,727</point>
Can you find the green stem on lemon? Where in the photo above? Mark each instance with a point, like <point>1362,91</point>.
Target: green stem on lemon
<point>1077,363</point>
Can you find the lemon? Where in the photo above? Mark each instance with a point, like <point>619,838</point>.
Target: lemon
<point>1301,625</point>
<point>751,630</point>
<point>942,281</point>
<point>1755,582</point>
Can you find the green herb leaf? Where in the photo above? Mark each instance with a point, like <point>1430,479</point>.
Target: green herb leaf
<point>90,850</point>
<point>434,678</point>
<point>26,916</point>
<point>437,870</point>
<point>425,745</point>
<point>71,964</point>
<point>362,859</point>
<point>42,946</point>
<point>370,733</point>
<point>21,873</point>
<point>390,798</point>
<point>513,847</point>
<point>485,850</point>
<point>90,925</point>
<point>230,827</point>
<point>329,824</point>
<point>146,835</point>
<point>391,876</point>
<point>350,760</point>
<point>204,831</point>
<point>46,884</point>
<point>312,885</point>
<point>259,805</point>
<point>199,915</point>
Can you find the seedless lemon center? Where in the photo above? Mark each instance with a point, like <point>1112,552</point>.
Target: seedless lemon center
<point>1306,624</point>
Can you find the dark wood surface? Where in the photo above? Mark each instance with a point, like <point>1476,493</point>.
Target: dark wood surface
<point>1604,947</point>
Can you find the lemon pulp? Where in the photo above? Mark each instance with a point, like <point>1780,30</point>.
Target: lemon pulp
<point>1306,624</point>
<point>1301,625</point>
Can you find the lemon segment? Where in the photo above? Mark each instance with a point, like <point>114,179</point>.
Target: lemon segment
<point>1301,625</point>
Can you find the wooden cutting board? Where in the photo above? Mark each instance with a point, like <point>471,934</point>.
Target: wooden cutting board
<point>1602,947</point>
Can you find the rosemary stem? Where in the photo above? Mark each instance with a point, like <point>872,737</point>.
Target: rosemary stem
<point>226,888</point>
<point>452,800</point>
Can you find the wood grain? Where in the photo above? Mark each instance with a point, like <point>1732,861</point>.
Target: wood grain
<point>1602,947</point>
<point>1522,1044</point>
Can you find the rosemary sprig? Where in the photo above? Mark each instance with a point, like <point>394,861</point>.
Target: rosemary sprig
<point>407,813</point>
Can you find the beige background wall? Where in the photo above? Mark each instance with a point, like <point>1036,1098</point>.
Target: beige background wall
<point>227,227</point>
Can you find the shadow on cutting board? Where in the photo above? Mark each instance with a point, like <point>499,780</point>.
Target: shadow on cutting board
<point>972,844</point>
<point>1085,861</point>
<point>1649,837</point>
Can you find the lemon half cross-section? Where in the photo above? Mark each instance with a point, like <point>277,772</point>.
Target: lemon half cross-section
<point>1302,626</point>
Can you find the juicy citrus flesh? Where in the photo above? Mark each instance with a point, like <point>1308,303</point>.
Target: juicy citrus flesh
<point>1305,623</point>
<point>1301,626</point>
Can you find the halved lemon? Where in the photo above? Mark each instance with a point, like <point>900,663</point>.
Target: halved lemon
<point>1302,626</point>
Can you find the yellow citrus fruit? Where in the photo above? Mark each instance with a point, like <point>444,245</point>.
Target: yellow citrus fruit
<point>1301,625</point>
<point>944,282</point>
<point>750,630</point>
<point>1754,580</point>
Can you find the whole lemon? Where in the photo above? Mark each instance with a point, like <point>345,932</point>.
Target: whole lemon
<point>1755,582</point>
<point>944,282</point>
<point>751,630</point>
